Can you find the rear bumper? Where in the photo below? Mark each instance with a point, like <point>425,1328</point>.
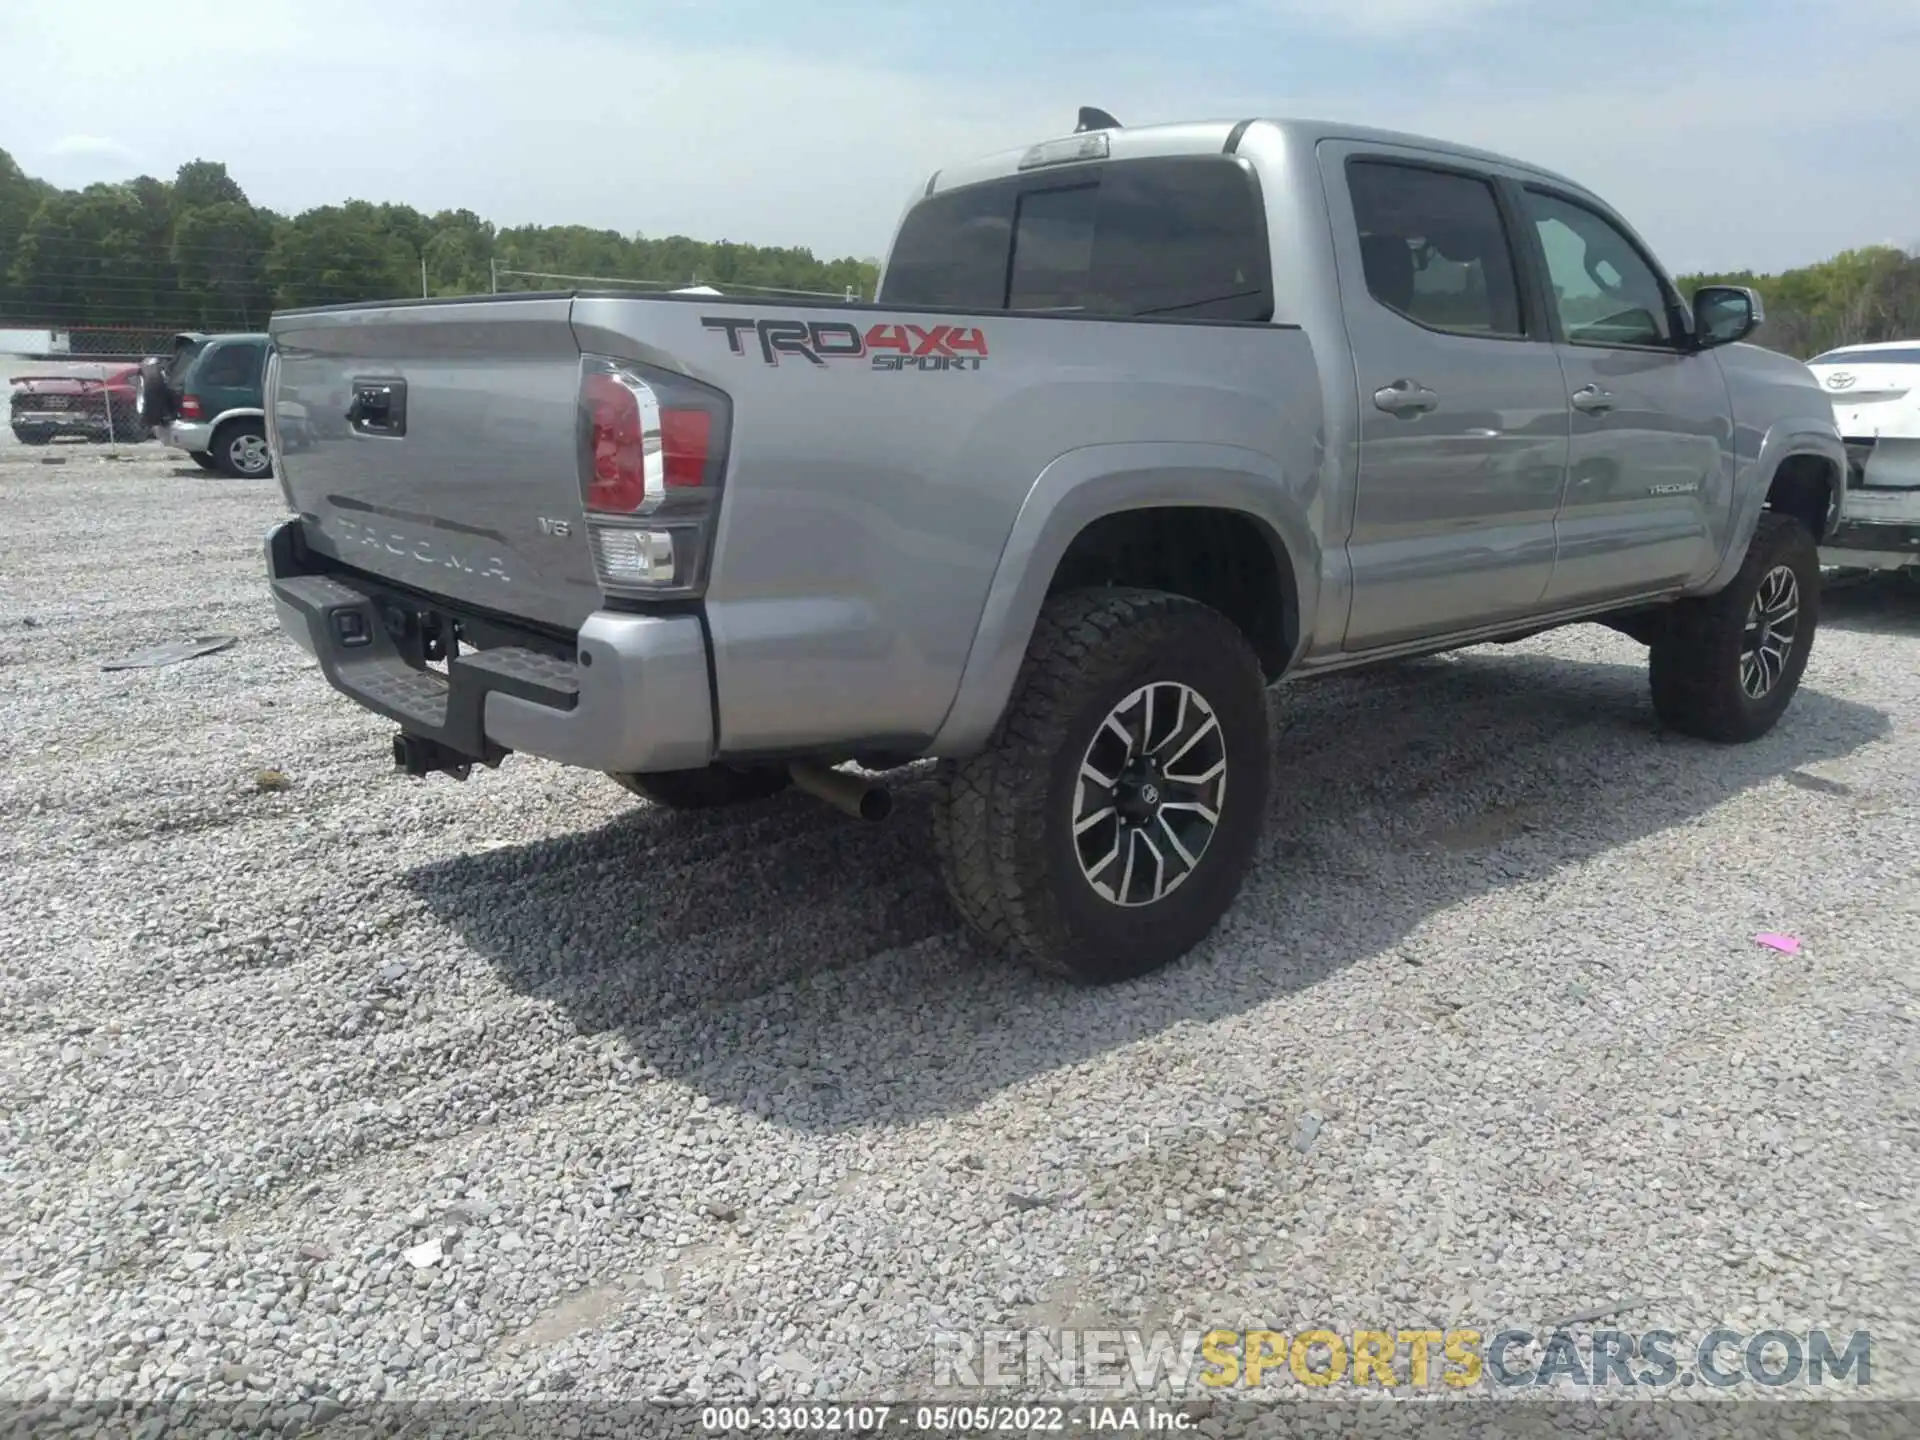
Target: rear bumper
<point>1874,545</point>
<point>1885,464</point>
<point>187,435</point>
<point>65,422</point>
<point>1879,525</point>
<point>629,692</point>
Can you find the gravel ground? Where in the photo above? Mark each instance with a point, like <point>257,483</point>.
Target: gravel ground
<point>367,1087</point>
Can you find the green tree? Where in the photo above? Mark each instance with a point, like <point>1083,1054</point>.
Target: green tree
<point>20,197</point>
<point>458,253</point>
<point>339,254</point>
<point>200,183</point>
<point>1857,297</point>
<point>98,256</point>
<point>220,256</point>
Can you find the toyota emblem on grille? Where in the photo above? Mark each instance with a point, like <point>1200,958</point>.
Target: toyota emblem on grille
<point>1840,380</point>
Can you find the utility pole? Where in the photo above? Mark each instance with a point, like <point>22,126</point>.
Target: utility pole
<point>423,275</point>
<point>494,266</point>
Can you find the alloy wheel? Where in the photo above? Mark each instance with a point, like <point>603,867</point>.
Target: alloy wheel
<point>1773,620</point>
<point>1148,796</point>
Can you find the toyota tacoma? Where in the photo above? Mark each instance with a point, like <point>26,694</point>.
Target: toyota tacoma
<point>1140,422</point>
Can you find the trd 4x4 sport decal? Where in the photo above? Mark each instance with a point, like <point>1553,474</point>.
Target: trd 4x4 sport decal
<point>885,347</point>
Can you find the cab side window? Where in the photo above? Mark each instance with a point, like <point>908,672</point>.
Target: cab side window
<point>1435,249</point>
<point>1603,287</point>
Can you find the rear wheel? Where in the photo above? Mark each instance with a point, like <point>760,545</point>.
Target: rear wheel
<point>1725,667</point>
<point>202,459</point>
<point>708,789</point>
<point>240,450</point>
<point>1109,824</point>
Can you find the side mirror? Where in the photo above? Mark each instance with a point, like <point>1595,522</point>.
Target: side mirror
<point>1723,314</point>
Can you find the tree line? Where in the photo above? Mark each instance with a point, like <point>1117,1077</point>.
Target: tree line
<point>1856,298</point>
<point>196,253</point>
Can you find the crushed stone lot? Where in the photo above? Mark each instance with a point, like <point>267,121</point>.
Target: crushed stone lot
<point>344,1086</point>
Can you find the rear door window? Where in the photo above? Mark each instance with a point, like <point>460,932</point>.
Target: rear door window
<point>1434,248</point>
<point>1182,238</point>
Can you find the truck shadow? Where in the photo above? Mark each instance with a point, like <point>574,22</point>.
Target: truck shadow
<point>798,965</point>
<point>1880,604</point>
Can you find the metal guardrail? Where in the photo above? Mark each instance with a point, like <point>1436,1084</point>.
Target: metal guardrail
<point>66,341</point>
<point>848,296</point>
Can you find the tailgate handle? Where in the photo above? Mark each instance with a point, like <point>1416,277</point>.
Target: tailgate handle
<point>379,407</point>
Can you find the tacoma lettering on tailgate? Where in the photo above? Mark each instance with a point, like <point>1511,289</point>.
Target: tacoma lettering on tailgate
<point>420,549</point>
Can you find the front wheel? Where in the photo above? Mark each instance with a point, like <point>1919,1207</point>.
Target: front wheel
<point>1110,822</point>
<point>1724,667</point>
<point>240,450</point>
<point>707,789</point>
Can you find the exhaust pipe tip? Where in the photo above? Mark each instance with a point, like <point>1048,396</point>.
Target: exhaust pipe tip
<point>853,795</point>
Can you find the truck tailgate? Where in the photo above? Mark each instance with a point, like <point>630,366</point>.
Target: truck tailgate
<point>436,447</point>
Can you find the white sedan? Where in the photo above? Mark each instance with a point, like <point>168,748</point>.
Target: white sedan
<point>1875,391</point>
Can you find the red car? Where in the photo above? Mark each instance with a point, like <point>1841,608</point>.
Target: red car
<point>98,407</point>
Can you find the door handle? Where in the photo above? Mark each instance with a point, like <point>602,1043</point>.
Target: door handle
<point>1404,398</point>
<point>1592,400</point>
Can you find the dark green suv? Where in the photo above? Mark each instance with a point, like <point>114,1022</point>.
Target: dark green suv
<point>206,398</point>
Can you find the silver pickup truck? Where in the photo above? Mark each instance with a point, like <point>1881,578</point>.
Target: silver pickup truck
<point>1141,421</point>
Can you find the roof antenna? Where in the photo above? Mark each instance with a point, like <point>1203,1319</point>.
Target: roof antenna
<point>1094,118</point>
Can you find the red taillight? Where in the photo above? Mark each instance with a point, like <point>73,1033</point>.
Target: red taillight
<point>638,446</point>
<point>617,446</point>
<point>686,443</point>
<point>190,407</point>
<point>652,459</point>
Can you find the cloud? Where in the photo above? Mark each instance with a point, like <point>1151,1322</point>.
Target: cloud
<point>772,130</point>
<point>1408,20</point>
<point>93,147</point>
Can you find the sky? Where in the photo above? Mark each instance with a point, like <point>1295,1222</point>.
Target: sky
<point>1733,134</point>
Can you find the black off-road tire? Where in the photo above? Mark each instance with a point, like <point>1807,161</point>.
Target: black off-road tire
<point>1695,662</point>
<point>33,435</point>
<point>1004,819</point>
<point>708,789</point>
<point>203,460</point>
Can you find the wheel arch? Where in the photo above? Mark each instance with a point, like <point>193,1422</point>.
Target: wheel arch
<point>1084,522</point>
<point>243,412</point>
<point>223,423</point>
<point>1794,458</point>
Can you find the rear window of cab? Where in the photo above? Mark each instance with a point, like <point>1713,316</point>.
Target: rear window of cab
<point>1176,238</point>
